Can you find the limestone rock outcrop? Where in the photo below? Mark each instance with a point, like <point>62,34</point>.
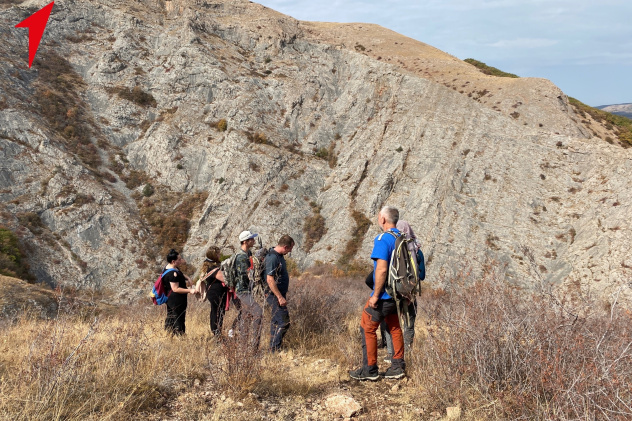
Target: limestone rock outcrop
<point>275,119</point>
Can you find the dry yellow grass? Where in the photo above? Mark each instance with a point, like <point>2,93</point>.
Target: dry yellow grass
<point>125,366</point>
<point>484,346</point>
<point>72,368</point>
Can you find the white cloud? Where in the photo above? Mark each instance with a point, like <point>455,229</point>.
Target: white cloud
<point>537,35</point>
<point>524,43</point>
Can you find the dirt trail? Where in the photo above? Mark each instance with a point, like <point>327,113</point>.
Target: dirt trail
<point>295,387</point>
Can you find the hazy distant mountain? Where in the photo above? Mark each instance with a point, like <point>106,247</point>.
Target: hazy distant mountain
<point>619,109</point>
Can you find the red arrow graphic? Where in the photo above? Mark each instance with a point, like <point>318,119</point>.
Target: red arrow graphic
<point>36,24</point>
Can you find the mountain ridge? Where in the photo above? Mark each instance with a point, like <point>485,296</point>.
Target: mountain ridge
<point>483,174</point>
<point>624,110</point>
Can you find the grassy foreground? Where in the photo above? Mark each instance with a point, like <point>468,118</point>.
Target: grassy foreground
<point>490,349</point>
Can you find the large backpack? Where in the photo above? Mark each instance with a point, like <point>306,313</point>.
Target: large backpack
<point>258,267</point>
<point>403,281</point>
<point>229,269</point>
<point>158,294</point>
<point>257,273</point>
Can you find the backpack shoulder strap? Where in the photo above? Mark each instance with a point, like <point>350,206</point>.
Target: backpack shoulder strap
<point>389,232</point>
<point>210,273</point>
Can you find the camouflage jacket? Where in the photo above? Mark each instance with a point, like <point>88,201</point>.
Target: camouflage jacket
<point>242,266</point>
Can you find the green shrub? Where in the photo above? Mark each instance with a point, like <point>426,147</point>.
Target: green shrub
<point>11,256</point>
<point>322,153</point>
<point>623,124</point>
<point>328,154</point>
<point>148,190</point>
<point>488,70</point>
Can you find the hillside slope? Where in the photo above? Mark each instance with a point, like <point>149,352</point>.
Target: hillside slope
<point>192,121</point>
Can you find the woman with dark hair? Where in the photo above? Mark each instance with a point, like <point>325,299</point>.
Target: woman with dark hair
<point>176,282</point>
<point>216,290</point>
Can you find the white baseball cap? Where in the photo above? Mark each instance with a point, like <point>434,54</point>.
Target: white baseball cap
<point>246,235</point>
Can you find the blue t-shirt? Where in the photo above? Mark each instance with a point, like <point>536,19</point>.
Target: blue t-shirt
<point>383,247</point>
<point>276,267</point>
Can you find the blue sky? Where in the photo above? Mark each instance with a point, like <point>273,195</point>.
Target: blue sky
<point>583,46</point>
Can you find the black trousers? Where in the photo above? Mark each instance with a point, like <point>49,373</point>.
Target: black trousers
<point>174,323</point>
<point>216,295</point>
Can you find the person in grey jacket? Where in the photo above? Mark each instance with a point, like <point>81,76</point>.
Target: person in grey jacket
<point>250,312</point>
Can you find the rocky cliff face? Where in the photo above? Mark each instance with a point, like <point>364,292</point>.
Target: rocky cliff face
<point>194,120</point>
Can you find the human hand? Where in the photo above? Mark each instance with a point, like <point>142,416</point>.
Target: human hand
<point>282,301</point>
<point>373,301</point>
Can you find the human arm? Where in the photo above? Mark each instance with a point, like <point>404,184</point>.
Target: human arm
<point>275,290</point>
<point>381,270</point>
<point>175,287</point>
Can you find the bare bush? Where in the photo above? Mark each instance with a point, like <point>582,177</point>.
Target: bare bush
<point>319,306</point>
<point>517,354</point>
<point>76,366</point>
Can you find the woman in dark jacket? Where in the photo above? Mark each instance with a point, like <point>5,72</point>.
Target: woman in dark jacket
<point>178,283</point>
<point>216,291</point>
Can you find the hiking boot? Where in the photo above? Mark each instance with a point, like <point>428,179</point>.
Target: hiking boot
<point>388,359</point>
<point>394,373</point>
<point>365,373</point>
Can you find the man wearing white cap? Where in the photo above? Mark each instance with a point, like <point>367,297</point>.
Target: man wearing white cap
<point>250,312</point>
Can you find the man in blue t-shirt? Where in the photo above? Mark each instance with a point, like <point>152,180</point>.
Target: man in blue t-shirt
<point>278,283</point>
<point>381,306</point>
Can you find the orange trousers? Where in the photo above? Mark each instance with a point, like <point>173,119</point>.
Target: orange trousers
<point>370,322</point>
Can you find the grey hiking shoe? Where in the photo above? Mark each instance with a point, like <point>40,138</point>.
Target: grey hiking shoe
<point>394,373</point>
<point>365,373</point>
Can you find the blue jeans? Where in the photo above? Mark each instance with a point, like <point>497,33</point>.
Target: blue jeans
<point>279,324</point>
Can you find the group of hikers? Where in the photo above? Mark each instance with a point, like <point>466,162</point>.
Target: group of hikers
<point>244,279</point>
<point>215,287</point>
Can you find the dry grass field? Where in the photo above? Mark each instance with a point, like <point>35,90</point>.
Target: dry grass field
<point>489,349</point>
